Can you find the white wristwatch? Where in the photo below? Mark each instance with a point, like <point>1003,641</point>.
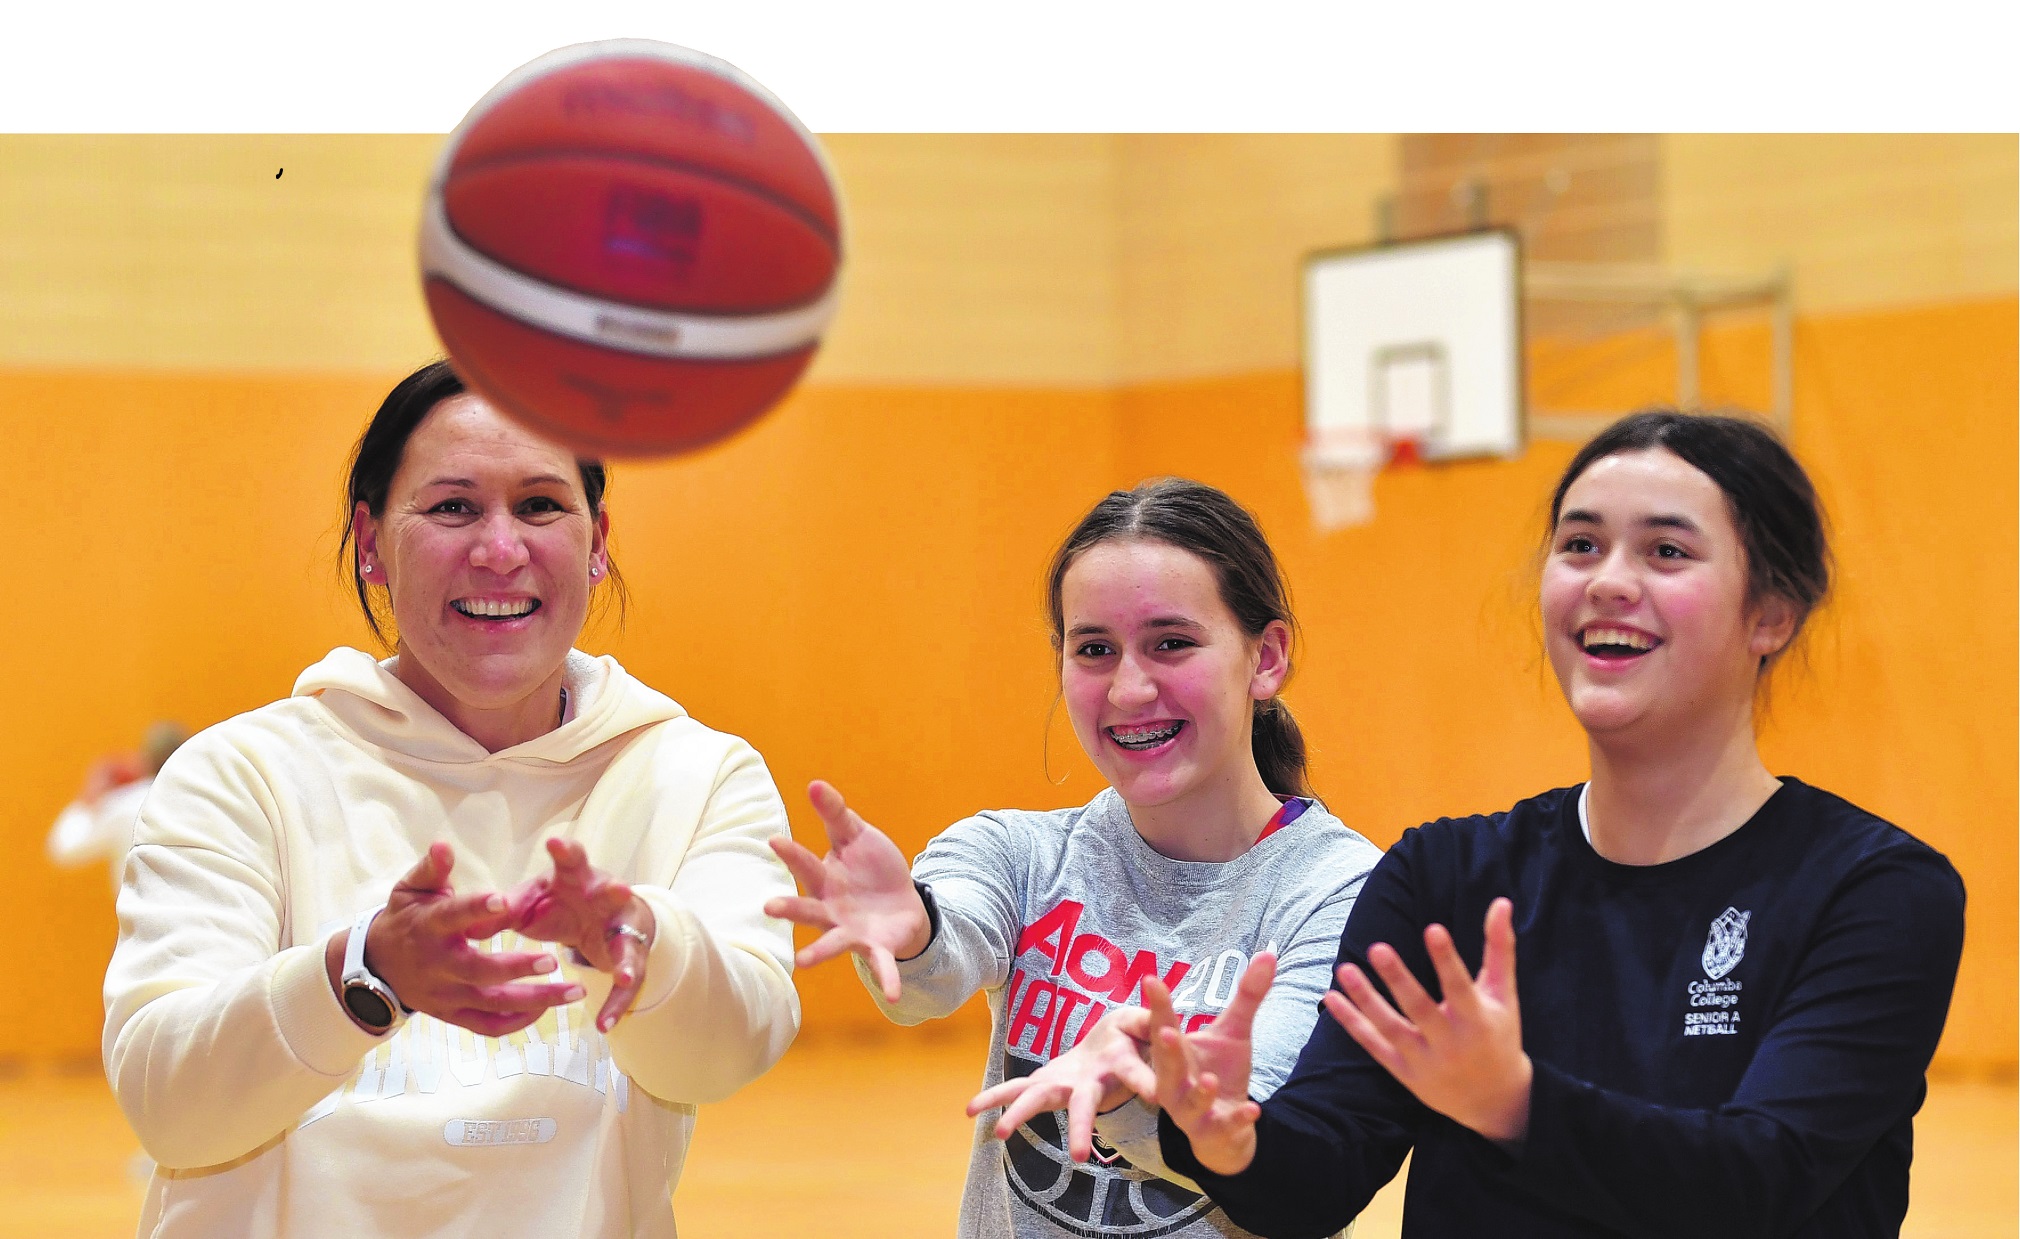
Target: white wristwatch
<point>369,1000</point>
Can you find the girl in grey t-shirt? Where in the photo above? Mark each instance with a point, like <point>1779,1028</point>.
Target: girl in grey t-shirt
<point>1207,849</point>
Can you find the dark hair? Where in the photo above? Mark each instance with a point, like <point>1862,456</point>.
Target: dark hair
<point>1773,505</point>
<point>377,456</point>
<point>1197,518</point>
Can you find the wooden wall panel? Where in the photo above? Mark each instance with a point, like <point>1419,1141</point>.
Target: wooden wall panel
<point>972,258</point>
<point>986,259</point>
<point>186,252</point>
<point>1214,231</point>
<point>1864,220</point>
<point>1572,197</point>
<point>1575,197</point>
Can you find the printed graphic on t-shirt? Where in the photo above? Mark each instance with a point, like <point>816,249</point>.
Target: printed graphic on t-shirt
<point>426,1055</point>
<point>1063,982</point>
<point>1714,1001</point>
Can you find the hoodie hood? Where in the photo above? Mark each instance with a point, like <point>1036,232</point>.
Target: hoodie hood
<point>366,700</point>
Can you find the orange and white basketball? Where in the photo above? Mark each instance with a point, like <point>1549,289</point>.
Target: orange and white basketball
<point>631,247</point>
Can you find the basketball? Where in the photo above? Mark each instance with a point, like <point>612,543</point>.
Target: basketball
<point>631,248</point>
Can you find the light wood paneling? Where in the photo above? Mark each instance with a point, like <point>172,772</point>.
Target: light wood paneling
<point>985,259</point>
<point>972,259</point>
<point>1864,220</point>
<point>1571,197</point>
<point>1035,259</point>
<point>1575,197</point>
<point>1214,230</point>
<point>186,251</point>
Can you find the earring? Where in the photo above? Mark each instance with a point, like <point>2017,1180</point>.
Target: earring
<point>367,570</point>
<point>595,571</point>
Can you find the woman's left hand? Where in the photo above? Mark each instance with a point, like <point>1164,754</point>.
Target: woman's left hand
<point>580,906</point>
<point>1106,1067</point>
<point>1462,1057</point>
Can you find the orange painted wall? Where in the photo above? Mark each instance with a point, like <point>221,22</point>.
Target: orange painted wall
<point>854,585</point>
<point>1421,683</point>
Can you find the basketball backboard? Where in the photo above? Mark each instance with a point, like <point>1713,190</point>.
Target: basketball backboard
<point>1412,352</point>
<point>1417,341</point>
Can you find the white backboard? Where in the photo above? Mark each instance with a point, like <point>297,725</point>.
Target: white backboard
<point>1421,340</point>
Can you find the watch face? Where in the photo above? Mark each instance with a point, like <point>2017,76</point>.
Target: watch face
<point>371,1010</point>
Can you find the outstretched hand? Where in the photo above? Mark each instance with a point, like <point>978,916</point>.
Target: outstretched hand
<point>600,918</point>
<point>1102,1070</point>
<point>860,893</point>
<point>423,946</point>
<point>1202,1077</point>
<point>1463,1056</point>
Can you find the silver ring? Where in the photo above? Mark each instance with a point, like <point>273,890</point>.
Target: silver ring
<point>632,932</point>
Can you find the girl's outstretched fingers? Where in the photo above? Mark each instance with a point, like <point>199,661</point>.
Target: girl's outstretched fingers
<point>1004,1094</point>
<point>884,968</point>
<point>1346,1004</point>
<point>1100,1073</point>
<point>1222,1129</point>
<point>1022,1099</point>
<point>860,895</point>
<point>1238,1018</point>
<point>1497,968</point>
<point>803,865</point>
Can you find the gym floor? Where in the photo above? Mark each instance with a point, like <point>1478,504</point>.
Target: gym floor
<point>794,1154</point>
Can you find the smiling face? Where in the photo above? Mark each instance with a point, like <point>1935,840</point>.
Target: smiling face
<point>1158,677</point>
<point>486,545</point>
<point>1646,617</point>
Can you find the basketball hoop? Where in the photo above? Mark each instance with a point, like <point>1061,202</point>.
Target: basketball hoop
<point>1339,466</point>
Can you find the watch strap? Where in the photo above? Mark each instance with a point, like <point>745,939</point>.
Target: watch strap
<point>355,970</point>
<point>354,950</point>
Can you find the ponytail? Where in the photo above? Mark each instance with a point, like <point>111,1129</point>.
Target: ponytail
<point>1279,749</point>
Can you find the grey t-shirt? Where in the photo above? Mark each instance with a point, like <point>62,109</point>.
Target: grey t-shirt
<point>1059,916</point>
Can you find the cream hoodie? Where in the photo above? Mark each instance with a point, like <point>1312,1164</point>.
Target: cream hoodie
<point>271,1113</point>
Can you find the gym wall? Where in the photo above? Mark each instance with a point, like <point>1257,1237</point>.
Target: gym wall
<point>190,344</point>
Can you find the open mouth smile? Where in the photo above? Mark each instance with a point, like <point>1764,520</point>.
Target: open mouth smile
<point>1615,642</point>
<point>496,610</point>
<point>1143,737</point>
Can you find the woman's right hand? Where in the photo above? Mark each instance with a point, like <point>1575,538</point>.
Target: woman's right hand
<point>860,893</point>
<point>1202,1077</point>
<point>423,946</point>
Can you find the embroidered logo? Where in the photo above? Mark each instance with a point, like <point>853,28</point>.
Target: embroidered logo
<point>1726,942</point>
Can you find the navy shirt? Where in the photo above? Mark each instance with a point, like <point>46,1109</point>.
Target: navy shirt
<point>1732,1043</point>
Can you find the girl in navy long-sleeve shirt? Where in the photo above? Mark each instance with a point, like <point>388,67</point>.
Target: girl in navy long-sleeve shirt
<point>1728,986</point>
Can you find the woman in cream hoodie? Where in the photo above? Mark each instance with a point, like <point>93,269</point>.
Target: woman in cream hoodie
<point>463,812</point>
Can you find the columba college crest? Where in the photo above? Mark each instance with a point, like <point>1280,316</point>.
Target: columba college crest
<point>1726,942</point>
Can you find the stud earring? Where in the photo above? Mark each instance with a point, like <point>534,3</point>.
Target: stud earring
<point>595,571</point>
